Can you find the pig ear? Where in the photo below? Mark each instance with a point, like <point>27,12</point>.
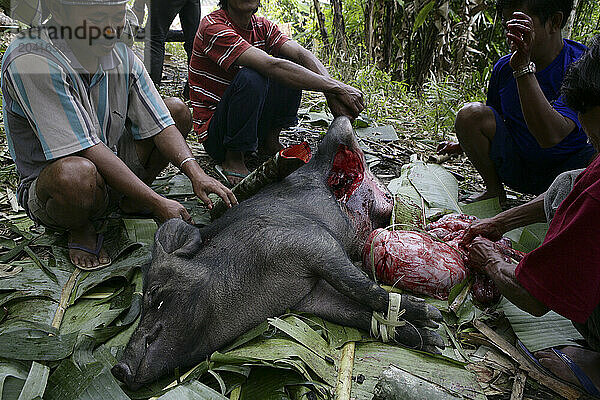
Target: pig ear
<point>178,238</point>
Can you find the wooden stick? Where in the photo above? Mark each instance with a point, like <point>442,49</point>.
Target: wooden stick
<point>64,298</point>
<point>518,386</point>
<point>343,387</point>
<point>568,391</point>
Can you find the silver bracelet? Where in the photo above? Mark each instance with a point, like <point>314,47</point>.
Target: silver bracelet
<point>186,160</point>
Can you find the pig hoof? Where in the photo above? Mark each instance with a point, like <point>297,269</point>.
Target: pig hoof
<point>419,338</point>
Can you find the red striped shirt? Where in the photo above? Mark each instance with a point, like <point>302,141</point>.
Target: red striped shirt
<point>218,43</point>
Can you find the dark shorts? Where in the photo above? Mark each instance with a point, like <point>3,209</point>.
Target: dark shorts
<point>251,106</point>
<point>524,175</point>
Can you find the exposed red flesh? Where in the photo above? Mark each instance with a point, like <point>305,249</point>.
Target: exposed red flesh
<point>347,173</point>
<point>417,262</point>
<point>414,261</point>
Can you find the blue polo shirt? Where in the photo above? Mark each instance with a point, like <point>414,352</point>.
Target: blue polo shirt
<point>503,96</point>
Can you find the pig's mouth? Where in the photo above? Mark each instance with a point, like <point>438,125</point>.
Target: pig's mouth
<point>347,173</point>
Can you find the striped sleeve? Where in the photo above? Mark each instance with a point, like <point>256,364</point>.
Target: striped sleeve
<point>45,93</point>
<point>222,44</point>
<point>274,38</point>
<point>147,114</point>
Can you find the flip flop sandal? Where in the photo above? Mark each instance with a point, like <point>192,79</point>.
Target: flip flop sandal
<point>96,252</point>
<point>584,380</point>
<point>223,173</point>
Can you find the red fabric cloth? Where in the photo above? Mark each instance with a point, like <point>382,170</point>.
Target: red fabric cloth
<point>218,43</point>
<point>564,272</point>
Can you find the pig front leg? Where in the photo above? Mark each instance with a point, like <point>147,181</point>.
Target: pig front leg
<point>344,279</point>
<point>326,302</point>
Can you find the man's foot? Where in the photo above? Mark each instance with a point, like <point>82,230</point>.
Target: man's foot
<point>233,176</point>
<point>233,168</point>
<point>85,249</point>
<point>587,360</point>
<point>486,195</point>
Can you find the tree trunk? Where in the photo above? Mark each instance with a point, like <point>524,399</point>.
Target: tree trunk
<point>388,32</point>
<point>339,26</point>
<point>369,13</point>
<point>568,30</point>
<point>322,28</point>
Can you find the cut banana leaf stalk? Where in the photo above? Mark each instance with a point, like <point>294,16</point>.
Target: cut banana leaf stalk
<point>275,169</point>
<point>344,380</point>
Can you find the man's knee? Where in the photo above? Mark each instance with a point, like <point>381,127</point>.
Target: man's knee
<point>474,118</point>
<point>248,80</point>
<point>181,114</point>
<point>72,180</point>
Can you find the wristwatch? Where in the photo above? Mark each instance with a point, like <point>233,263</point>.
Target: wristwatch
<point>528,69</point>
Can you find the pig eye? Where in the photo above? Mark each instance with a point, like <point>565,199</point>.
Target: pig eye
<point>152,294</point>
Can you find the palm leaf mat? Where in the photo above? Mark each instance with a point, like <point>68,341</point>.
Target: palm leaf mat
<point>61,330</point>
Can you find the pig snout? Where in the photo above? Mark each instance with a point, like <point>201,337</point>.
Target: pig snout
<point>137,367</point>
<point>122,372</point>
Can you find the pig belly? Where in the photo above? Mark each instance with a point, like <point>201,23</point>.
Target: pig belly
<point>413,261</point>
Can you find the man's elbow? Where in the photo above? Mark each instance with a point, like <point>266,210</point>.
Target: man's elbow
<point>547,139</point>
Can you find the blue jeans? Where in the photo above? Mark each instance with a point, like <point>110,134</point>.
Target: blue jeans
<point>251,107</point>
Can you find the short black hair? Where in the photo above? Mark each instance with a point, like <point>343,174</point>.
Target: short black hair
<point>581,86</point>
<point>223,4</point>
<point>543,9</point>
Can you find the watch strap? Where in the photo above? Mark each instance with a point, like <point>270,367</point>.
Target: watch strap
<point>528,69</point>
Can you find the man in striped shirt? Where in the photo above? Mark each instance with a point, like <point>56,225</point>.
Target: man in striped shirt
<point>246,79</point>
<point>85,124</point>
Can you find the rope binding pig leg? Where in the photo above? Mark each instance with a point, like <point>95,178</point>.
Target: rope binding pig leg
<point>385,327</point>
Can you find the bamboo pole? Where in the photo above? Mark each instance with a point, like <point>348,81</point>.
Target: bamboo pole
<point>64,298</point>
<point>343,387</point>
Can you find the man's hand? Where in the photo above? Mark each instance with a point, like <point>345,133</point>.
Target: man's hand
<point>488,228</point>
<point>345,100</point>
<point>204,184</point>
<point>166,209</point>
<point>483,254</point>
<point>520,35</point>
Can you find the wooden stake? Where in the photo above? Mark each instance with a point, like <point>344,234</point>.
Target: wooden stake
<point>570,392</point>
<point>344,380</point>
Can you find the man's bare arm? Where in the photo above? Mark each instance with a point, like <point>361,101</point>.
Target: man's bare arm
<point>172,145</point>
<point>483,256</point>
<point>122,179</point>
<point>493,228</point>
<point>295,52</point>
<point>294,75</point>
<point>547,125</point>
